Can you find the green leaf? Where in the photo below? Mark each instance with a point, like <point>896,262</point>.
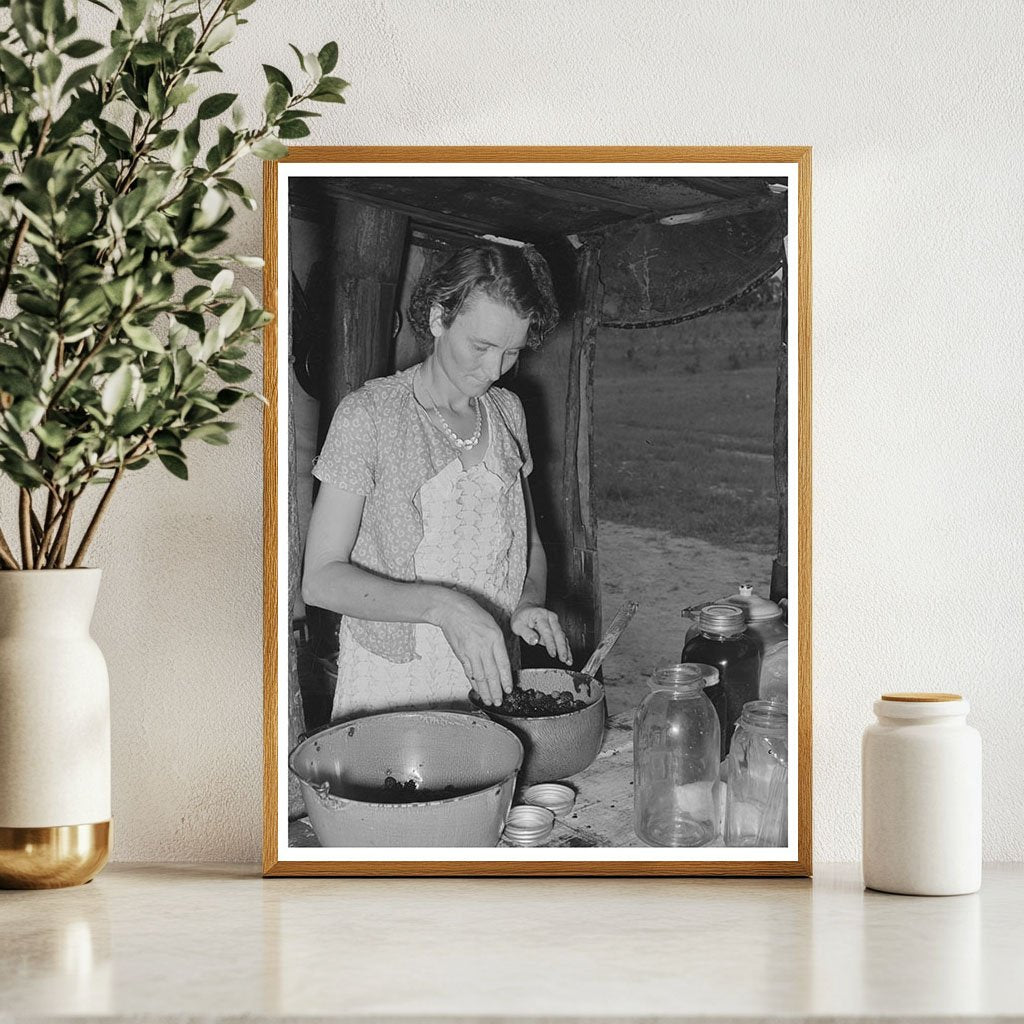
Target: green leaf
<point>53,14</point>
<point>181,94</point>
<point>149,53</point>
<point>333,84</point>
<point>128,421</point>
<point>134,13</point>
<point>156,101</point>
<point>311,65</point>
<point>111,62</point>
<point>322,96</point>
<point>269,149</point>
<point>184,44</point>
<point>14,68</point>
<point>165,376</point>
<point>276,100</point>
<point>21,471</point>
<point>211,208</point>
<point>232,373</point>
<point>227,397</point>
<point>293,130</point>
<point>195,296</point>
<point>234,6</point>
<point>77,79</point>
<point>328,58</point>
<point>10,355</point>
<point>144,338</point>
<point>222,282</point>
<point>53,435</point>
<point>214,105</point>
<point>116,390</point>
<point>28,25</point>
<point>175,465</point>
<point>163,139</point>
<point>254,262</point>
<point>26,413</point>
<point>119,291</point>
<point>232,319</point>
<point>49,68</point>
<point>274,75</point>
<point>83,48</point>
<point>38,305</point>
<point>193,379</point>
<point>129,207</point>
<point>211,433</point>
<point>221,35</point>
<point>116,133</point>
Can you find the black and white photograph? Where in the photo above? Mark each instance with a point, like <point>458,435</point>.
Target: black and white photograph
<point>537,538</point>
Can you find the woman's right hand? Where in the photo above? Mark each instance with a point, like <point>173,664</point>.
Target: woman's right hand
<point>478,643</point>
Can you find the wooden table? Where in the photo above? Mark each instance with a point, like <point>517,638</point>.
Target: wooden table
<point>603,814</point>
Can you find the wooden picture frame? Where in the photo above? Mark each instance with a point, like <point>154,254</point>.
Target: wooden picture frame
<point>594,201</point>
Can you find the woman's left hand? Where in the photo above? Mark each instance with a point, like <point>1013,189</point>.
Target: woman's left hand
<point>540,625</point>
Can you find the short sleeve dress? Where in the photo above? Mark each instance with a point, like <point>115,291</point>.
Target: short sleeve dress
<point>474,538</point>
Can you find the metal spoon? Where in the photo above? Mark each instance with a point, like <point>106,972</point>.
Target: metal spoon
<point>619,623</point>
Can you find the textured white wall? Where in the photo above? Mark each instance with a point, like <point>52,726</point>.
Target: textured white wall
<point>914,113</point>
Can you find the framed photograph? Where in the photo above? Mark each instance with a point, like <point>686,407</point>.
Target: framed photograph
<point>538,511</point>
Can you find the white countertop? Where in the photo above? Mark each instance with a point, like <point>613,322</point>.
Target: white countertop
<point>182,941</point>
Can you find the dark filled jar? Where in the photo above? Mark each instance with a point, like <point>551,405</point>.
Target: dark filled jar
<point>723,643</point>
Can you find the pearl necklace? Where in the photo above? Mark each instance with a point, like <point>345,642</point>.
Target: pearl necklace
<point>462,444</point>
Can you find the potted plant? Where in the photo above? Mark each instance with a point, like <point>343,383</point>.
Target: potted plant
<point>122,343</point>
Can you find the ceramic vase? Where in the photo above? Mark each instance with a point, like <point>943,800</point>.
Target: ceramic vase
<point>54,731</point>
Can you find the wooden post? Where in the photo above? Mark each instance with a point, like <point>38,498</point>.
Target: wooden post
<point>367,251</point>
<point>580,599</point>
<point>780,565</point>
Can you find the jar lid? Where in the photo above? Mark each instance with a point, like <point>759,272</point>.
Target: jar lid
<point>756,608</point>
<point>726,619</point>
<point>555,796</point>
<point>921,705</point>
<point>921,698</point>
<point>528,825</point>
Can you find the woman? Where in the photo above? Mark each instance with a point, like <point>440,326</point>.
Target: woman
<point>422,535</point>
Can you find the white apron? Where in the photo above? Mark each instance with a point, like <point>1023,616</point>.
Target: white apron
<point>467,543</point>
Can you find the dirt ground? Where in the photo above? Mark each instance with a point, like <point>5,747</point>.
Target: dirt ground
<point>665,574</point>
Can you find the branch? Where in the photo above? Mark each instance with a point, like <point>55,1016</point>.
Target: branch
<point>54,513</point>
<point>60,545</point>
<point>25,521</point>
<point>6,555</point>
<point>19,234</point>
<point>97,516</point>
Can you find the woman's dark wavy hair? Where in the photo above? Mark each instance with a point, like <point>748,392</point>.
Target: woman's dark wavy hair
<point>519,277</point>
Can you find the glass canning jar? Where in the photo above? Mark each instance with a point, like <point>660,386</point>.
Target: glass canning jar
<point>676,760</point>
<point>757,776</point>
<point>723,643</point>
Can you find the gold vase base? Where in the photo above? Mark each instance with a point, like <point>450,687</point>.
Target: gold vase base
<point>52,858</point>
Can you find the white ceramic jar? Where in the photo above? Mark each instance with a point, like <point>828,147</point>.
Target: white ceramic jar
<point>921,779</point>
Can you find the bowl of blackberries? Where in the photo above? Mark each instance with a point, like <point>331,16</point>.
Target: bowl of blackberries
<point>559,717</point>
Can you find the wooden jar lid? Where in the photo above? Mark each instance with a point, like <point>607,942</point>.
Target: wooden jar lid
<point>921,698</point>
